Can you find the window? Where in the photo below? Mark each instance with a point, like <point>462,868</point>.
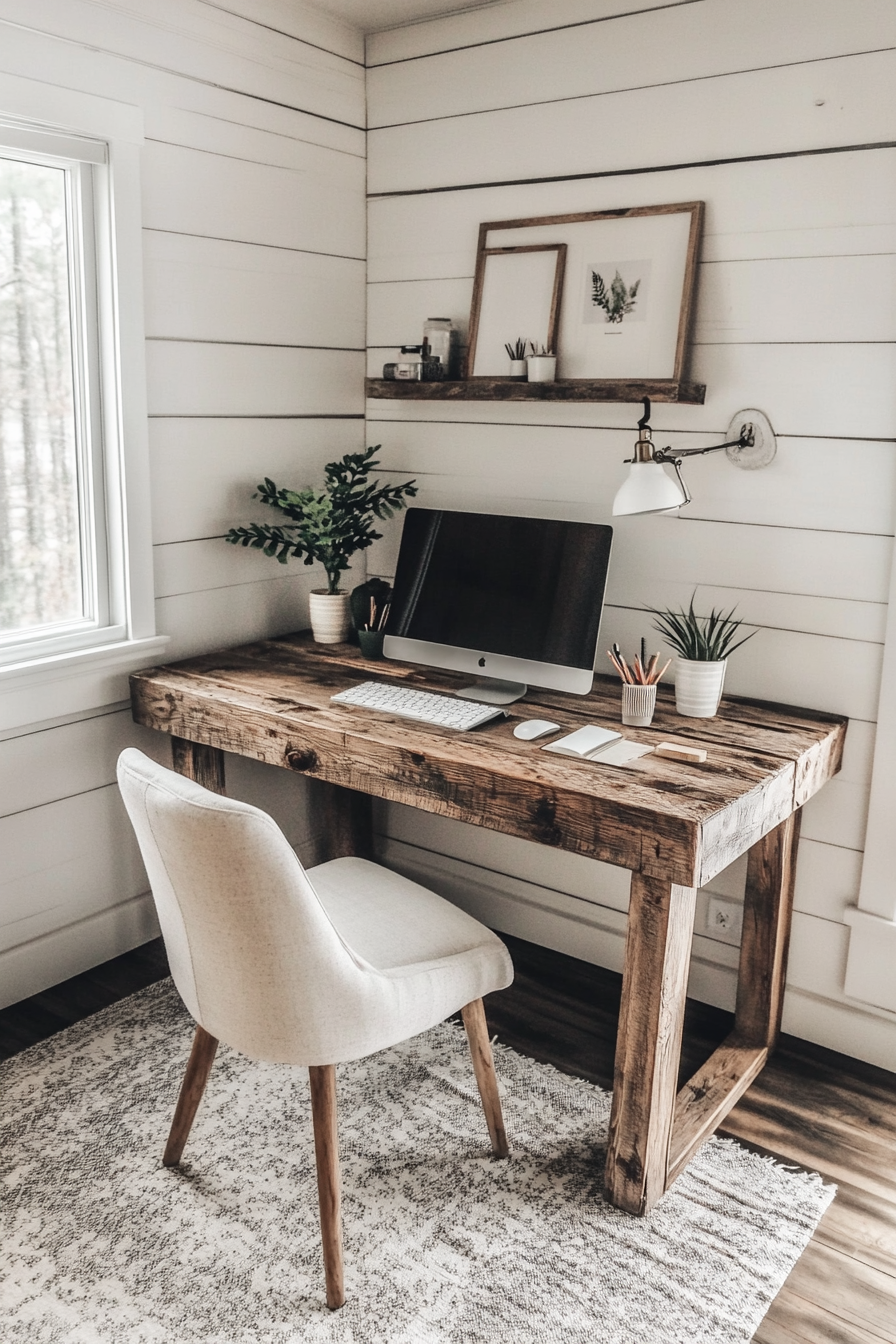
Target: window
<point>76,603</point>
<point>54,556</point>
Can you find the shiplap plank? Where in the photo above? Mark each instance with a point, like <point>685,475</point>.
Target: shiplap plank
<point>782,299</point>
<point>827,879</point>
<point>813,106</point>
<point>308,22</point>
<point>839,566</point>
<point>207,44</point>
<point>634,51</point>
<point>163,95</point>
<point>187,378</point>
<point>825,484</point>
<point>397,310</point>
<point>822,564</point>
<point>204,471</point>
<point>65,861</point>
<point>219,618</point>
<point>817,960</point>
<point>493,23</point>
<point>280,146</point>
<point>212,563</point>
<point>319,208</point>
<point>797,299</point>
<point>46,765</point>
<point>833,204</point>
<point>205,289</point>
<point>840,676</point>
<point>838,815</point>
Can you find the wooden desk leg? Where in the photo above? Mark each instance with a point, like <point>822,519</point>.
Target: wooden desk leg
<point>768,902</point>
<point>198,762</point>
<point>648,1044</point>
<point>342,820</point>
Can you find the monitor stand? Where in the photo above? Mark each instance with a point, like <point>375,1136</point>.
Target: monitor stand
<point>492,691</point>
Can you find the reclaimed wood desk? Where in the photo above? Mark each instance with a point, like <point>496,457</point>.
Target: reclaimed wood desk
<point>674,825</point>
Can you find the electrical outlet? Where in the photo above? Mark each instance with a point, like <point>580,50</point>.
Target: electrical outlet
<point>724,919</point>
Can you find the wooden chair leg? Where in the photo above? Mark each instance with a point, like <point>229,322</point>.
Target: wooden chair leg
<point>199,1066</point>
<point>484,1069</point>
<point>329,1182</point>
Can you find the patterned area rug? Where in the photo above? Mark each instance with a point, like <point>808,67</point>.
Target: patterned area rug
<point>101,1245</point>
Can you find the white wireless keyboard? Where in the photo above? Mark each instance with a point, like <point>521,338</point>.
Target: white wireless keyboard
<point>446,711</point>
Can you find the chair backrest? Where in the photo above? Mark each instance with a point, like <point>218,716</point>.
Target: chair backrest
<point>252,951</point>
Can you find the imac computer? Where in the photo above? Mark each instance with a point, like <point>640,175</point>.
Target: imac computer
<point>514,600</point>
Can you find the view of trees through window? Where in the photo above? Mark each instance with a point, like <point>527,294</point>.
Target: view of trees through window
<point>40,544</point>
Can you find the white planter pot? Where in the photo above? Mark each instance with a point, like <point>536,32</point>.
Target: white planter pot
<point>542,368</point>
<point>698,687</point>
<point>331,618</point>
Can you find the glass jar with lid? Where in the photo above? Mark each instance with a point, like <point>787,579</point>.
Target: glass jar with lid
<point>442,336</point>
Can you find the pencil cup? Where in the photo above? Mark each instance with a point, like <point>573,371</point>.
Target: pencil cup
<point>371,642</point>
<point>638,704</point>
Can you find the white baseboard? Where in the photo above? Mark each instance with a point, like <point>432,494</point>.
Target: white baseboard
<point>34,966</point>
<point>870,1036</point>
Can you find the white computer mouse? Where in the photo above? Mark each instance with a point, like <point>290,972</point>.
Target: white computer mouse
<point>529,729</point>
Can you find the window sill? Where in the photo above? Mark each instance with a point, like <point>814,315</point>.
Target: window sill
<point>67,683</point>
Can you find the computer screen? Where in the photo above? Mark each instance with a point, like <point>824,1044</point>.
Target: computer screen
<point>508,597</point>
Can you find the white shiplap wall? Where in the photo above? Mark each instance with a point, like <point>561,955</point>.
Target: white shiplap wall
<point>254,246</point>
<point>780,117</point>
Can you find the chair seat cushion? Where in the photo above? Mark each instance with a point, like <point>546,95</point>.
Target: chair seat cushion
<point>391,921</point>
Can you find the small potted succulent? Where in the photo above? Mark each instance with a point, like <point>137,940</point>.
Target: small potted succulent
<point>541,364</point>
<point>329,526</point>
<point>703,645</point>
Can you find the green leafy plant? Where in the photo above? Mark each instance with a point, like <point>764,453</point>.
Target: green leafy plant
<point>702,639</point>
<point>619,302</point>
<point>329,525</point>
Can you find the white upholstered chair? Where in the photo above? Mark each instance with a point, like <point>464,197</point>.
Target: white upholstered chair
<point>312,968</point>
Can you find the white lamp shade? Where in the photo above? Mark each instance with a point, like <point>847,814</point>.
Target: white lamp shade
<point>647,489</point>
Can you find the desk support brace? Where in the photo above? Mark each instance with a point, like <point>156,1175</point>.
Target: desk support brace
<point>653,1134</point>
<point>204,765</point>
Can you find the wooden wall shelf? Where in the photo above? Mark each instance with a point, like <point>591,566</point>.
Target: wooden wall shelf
<point>565,389</point>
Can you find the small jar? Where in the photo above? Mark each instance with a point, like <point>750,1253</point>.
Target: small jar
<point>441,335</point>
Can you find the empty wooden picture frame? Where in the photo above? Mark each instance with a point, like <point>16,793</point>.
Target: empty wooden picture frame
<point>628,293</point>
<point>516,294</point>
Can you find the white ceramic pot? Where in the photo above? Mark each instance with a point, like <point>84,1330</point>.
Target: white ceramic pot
<point>517,368</point>
<point>331,617</point>
<point>698,687</point>
<point>542,368</point>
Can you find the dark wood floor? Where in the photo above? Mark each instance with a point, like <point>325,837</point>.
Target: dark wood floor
<point>810,1107</point>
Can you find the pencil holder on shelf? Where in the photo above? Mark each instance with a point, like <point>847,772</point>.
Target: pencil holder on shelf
<point>638,704</point>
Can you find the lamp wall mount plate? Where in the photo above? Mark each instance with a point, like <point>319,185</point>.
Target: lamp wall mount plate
<point>759,453</point>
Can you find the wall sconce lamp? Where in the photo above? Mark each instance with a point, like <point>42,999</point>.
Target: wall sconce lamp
<point>649,489</point>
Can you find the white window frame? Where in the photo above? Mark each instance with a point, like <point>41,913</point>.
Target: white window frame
<point>89,669</point>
